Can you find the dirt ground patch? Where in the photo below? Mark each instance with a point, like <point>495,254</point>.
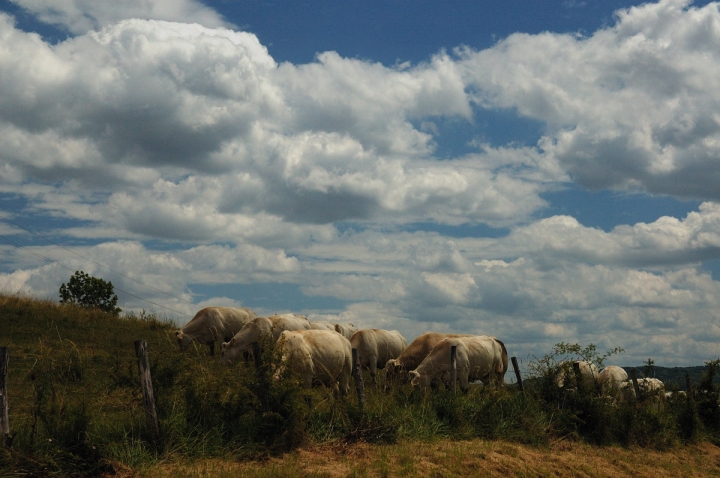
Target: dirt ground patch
<point>461,458</point>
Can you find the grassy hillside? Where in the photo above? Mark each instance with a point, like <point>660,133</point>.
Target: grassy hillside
<point>76,405</point>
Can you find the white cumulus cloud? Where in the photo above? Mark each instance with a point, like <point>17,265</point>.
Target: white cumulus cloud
<point>81,16</point>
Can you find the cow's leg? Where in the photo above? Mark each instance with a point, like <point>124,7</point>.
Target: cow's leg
<point>344,384</point>
<point>211,344</point>
<point>463,378</point>
<point>373,369</point>
<point>308,380</point>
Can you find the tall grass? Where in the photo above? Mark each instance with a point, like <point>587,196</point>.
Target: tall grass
<point>76,403</point>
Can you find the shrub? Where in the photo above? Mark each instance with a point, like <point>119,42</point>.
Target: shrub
<point>87,291</point>
<point>708,398</point>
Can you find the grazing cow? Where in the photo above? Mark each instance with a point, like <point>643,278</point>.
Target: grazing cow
<point>566,373</point>
<point>211,324</point>
<point>259,329</point>
<point>649,387</point>
<point>611,379</point>
<point>673,395</point>
<point>413,355</point>
<point>346,330</point>
<point>375,347</point>
<point>480,357</point>
<point>322,355</point>
<point>320,325</point>
<point>290,315</point>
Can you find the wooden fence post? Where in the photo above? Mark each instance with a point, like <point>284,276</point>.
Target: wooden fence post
<point>257,352</point>
<point>578,377</point>
<point>4,420</point>
<point>261,374</point>
<point>688,387</point>
<point>633,377</point>
<point>517,374</point>
<point>453,368</point>
<point>146,383</point>
<point>357,375</point>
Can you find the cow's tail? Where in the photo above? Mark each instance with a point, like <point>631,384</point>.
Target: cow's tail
<point>504,363</point>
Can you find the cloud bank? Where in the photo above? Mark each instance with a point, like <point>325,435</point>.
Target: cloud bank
<point>188,155</point>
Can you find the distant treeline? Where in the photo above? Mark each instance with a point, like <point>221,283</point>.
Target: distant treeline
<point>671,376</point>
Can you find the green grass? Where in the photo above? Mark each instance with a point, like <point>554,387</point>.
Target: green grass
<point>76,404</point>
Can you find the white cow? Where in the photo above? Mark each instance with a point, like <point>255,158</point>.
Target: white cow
<point>480,357</point>
<point>290,315</point>
<point>320,325</point>
<point>259,329</point>
<point>346,330</point>
<point>413,355</point>
<point>611,379</point>
<point>211,324</point>
<point>322,355</point>
<point>376,346</point>
<point>566,373</point>
<point>652,388</point>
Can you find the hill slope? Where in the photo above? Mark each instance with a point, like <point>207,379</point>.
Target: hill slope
<point>76,409</point>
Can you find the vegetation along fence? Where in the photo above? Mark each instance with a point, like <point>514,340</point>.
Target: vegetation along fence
<point>73,394</point>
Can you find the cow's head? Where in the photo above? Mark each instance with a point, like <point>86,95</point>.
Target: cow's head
<point>183,340</point>
<point>392,369</point>
<point>418,380</point>
<point>226,350</point>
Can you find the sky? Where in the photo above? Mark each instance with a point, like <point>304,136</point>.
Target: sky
<point>542,172</point>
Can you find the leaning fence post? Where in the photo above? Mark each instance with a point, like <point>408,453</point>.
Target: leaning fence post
<point>517,374</point>
<point>146,383</point>
<point>257,352</point>
<point>633,377</point>
<point>453,368</point>
<point>578,377</point>
<point>4,420</point>
<point>357,375</point>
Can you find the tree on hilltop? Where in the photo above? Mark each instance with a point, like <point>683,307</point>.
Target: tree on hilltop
<point>92,292</point>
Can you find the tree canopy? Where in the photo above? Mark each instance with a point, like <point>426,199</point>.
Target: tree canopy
<point>92,292</point>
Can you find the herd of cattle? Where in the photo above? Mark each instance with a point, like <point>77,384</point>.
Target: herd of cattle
<point>612,381</point>
<point>322,351</point>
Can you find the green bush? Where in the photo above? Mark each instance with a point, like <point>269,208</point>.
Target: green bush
<point>87,291</point>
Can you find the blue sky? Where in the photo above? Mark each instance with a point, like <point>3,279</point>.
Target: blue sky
<point>539,171</point>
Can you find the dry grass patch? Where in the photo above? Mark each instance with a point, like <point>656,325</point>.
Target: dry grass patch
<point>461,458</point>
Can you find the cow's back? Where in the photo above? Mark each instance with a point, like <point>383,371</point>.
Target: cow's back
<point>478,357</point>
<point>330,351</point>
<point>346,330</point>
<point>415,353</point>
<point>391,344</point>
<point>204,319</point>
<point>612,378</point>
<point>235,319</point>
<point>281,323</point>
<point>484,356</point>
<point>324,354</point>
<point>365,341</point>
